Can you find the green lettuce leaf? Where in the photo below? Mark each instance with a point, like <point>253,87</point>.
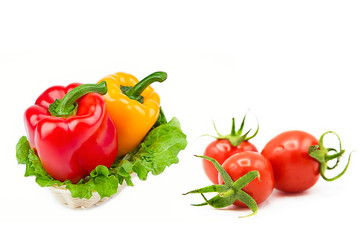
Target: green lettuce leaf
<point>158,150</point>
<point>100,180</point>
<point>22,150</point>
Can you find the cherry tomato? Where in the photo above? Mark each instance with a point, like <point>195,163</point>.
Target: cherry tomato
<point>220,150</point>
<point>241,163</point>
<point>294,169</point>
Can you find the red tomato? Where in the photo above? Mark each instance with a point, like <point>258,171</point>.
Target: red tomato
<point>294,169</point>
<point>241,163</point>
<point>220,150</point>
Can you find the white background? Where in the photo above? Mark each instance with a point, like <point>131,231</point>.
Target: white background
<point>290,64</point>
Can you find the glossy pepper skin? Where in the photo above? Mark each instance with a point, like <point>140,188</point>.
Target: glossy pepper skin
<point>133,119</point>
<point>69,148</point>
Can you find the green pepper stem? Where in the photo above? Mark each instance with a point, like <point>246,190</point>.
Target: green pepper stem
<point>67,106</point>
<point>136,90</point>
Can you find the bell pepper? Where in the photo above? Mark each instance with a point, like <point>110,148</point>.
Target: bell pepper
<point>71,131</point>
<point>134,107</point>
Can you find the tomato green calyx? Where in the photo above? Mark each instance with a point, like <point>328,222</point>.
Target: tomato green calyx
<point>321,154</point>
<point>230,191</point>
<point>135,91</point>
<point>67,106</point>
<point>236,137</point>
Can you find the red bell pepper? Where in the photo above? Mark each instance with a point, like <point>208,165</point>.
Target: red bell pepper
<point>71,131</point>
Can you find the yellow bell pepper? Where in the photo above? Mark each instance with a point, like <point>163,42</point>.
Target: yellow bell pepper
<point>133,106</point>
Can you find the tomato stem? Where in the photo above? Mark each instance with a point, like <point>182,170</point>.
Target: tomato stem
<point>230,192</point>
<point>236,137</point>
<point>321,154</point>
<point>226,177</point>
<point>233,131</point>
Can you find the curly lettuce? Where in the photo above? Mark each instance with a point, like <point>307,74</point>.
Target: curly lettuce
<point>158,151</point>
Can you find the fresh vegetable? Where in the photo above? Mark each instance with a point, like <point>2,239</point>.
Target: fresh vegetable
<point>133,106</point>
<point>241,163</point>
<point>225,146</point>
<point>231,192</point>
<point>158,150</point>
<point>71,132</point>
<point>98,180</point>
<point>298,159</point>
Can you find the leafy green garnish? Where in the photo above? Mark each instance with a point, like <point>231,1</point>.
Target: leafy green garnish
<point>100,181</point>
<point>158,150</point>
<point>22,150</point>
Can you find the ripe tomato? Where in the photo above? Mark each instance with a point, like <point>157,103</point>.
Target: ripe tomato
<point>220,150</point>
<point>226,145</point>
<point>294,169</point>
<point>241,163</point>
